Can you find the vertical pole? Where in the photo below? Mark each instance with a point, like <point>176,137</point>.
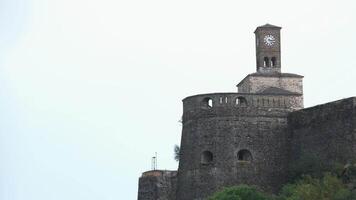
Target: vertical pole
<point>156,160</point>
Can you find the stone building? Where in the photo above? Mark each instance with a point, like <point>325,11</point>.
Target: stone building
<point>250,136</point>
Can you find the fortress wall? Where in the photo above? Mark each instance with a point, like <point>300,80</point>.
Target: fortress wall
<point>224,130</point>
<point>263,136</point>
<point>327,131</point>
<point>157,185</point>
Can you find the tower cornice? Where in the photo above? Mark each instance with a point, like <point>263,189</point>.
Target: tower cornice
<point>267,26</point>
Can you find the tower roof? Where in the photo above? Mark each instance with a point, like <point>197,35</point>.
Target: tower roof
<point>267,26</point>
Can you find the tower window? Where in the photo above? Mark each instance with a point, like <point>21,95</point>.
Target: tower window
<point>208,102</point>
<point>265,62</point>
<point>244,155</point>
<point>241,101</point>
<point>206,157</point>
<point>273,61</point>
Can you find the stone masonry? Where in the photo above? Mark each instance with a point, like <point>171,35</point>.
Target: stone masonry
<point>250,137</point>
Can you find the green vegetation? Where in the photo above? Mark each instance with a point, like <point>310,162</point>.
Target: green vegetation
<point>310,180</point>
<point>241,192</point>
<point>329,187</point>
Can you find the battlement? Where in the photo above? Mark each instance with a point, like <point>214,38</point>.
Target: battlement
<point>227,104</point>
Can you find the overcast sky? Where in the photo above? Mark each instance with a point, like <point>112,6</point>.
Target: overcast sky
<point>89,90</point>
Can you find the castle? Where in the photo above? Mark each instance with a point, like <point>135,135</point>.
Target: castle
<point>251,136</point>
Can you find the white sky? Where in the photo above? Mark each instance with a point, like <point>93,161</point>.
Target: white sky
<point>89,90</point>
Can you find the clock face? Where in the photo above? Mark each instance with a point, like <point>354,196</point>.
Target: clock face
<point>269,40</point>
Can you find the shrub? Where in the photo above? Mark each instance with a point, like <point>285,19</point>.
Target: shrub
<point>241,192</point>
<point>329,187</point>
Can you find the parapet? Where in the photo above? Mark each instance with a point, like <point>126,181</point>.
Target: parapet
<point>225,104</point>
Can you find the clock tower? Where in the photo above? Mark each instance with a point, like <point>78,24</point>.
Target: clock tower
<point>268,49</point>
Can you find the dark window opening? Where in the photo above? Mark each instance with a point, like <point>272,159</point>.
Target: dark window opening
<point>241,101</point>
<point>273,61</point>
<point>208,102</point>
<point>266,62</point>
<point>244,155</point>
<point>206,157</point>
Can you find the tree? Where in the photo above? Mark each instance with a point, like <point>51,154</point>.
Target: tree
<point>241,192</point>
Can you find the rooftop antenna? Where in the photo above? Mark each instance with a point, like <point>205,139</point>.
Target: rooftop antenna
<point>154,162</point>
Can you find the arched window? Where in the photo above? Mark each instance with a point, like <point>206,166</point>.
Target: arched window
<point>208,102</point>
<point>273,61</point>
<point>241,101</point>
<point>206,158</point>
<point>266,62</point>
<point>244,155</point>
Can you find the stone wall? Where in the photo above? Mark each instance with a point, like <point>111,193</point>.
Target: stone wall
<point>235,101</point>
<point>224,129</point>
<point>327,131</point>
<point>255,83</point>
<point>273,136</point>
<point>157,185</point>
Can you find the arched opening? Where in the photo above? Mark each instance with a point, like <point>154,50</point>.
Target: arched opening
<point>273,61</point>
<point>206,157</point>
<point>265,62</point>
<point>208,102</point>
<point>241,101</point>
<point>244,155</point>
